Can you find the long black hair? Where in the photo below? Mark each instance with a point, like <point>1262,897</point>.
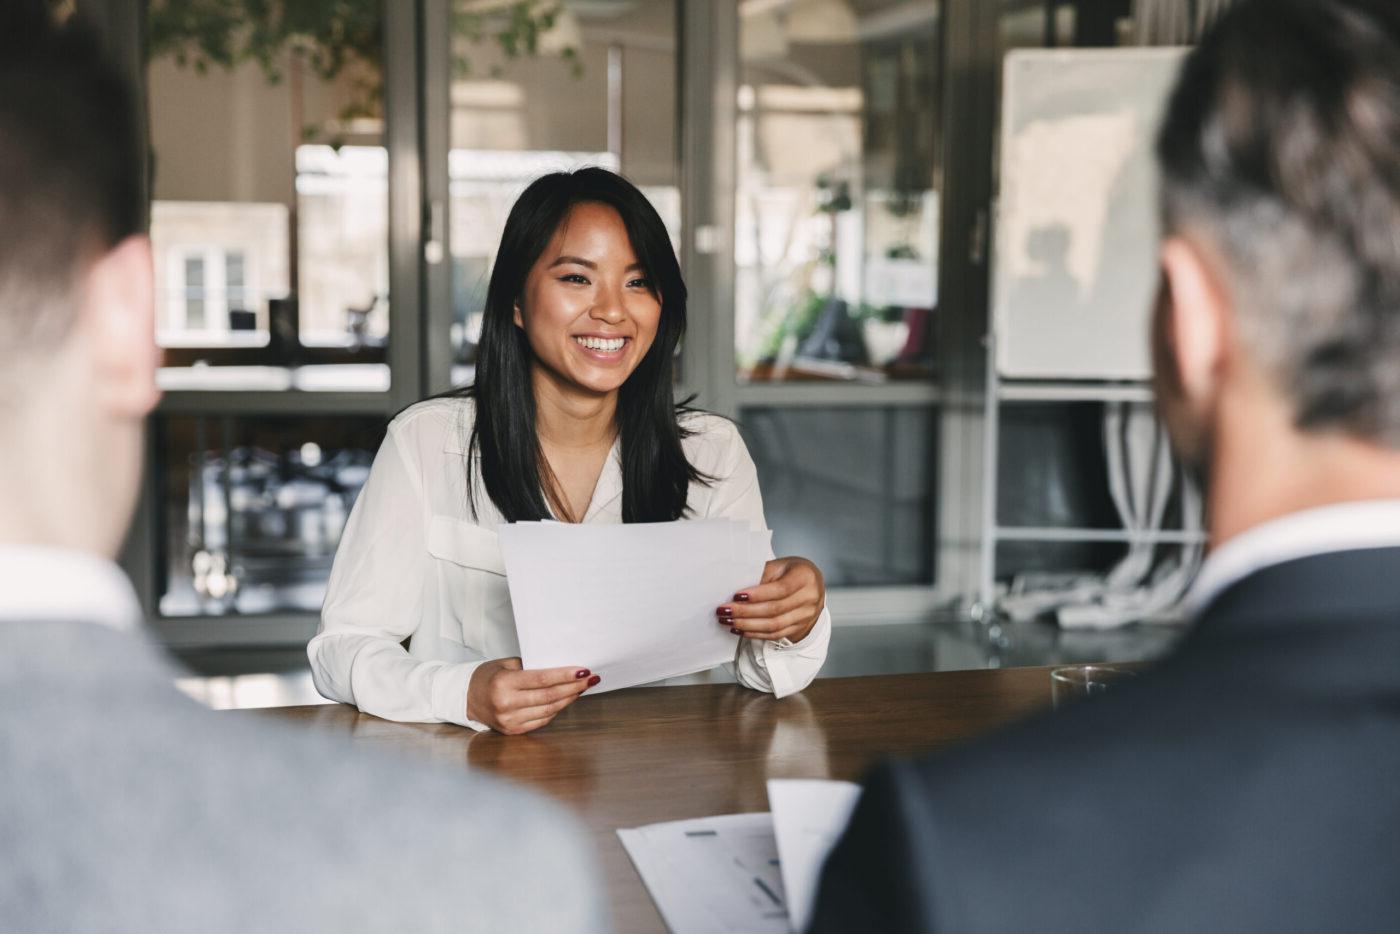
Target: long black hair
<point>655,472</point>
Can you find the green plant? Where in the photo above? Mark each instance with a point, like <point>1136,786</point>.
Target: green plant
<point>833,195</point>
<point>518,32</point>
<point>796,321</point>
<point>329,36</point>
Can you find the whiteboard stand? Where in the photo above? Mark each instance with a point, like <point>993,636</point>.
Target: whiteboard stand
<point>1073,256</point>
<point>999,392</point>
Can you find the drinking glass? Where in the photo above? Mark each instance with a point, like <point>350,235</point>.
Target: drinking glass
<point>1076,681</point>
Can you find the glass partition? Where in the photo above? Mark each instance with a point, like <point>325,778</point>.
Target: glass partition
<point>253,509</point>
<point>848,488</point>
<point>839,176</point>
<point>269,219</point>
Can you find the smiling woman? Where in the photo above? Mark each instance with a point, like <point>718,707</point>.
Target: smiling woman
<point>572,417</point>
<point>583,255</point>
<point>593,318</point>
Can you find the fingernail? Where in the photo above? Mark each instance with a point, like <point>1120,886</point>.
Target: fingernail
<point>594,680</point>
<point>725,622</point>
<point>741,598</point>
<point>725,611</point>
<point>736,632</point>
<point>581,673</point>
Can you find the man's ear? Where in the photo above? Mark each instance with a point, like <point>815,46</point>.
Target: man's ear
<point>1197,309</point>
<point>118,317</point>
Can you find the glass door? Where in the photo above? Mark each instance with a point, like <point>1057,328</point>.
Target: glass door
<point>286,242</point>
<point>837,221</point>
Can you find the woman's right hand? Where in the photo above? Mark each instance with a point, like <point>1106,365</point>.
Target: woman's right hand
<point>512,701</point>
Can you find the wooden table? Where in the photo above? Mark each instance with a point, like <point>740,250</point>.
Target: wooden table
<point>645,755</point>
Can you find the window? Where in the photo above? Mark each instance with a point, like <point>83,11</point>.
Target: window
<point>270,196</point>
<point>837,211</point>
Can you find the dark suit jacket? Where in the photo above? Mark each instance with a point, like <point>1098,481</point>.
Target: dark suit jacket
<point>127,808</point>
<point>1251,783</point>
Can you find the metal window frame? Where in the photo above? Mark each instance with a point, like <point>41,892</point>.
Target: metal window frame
<point>435,128</point>
<point>707,46</point>
<point>970,70</point>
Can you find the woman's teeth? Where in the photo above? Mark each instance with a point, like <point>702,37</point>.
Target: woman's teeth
<point>607,344</point>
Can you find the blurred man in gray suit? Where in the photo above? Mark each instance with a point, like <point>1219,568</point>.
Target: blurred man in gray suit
<point>123,806</point>
<point>1248,783</point>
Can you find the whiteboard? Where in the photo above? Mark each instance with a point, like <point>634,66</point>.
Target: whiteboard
<point>1074,267</point>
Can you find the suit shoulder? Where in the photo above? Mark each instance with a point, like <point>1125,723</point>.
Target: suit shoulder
<point>472,846</point>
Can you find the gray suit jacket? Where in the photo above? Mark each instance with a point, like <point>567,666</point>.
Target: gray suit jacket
<point>125,807</point>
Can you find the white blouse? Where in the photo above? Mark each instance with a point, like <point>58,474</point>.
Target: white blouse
<point>417,595</point>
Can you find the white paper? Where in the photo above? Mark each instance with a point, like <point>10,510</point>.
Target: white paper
<point>712,875</point>
<point>633,603</point>
<point>809,816</point>
<point>744,872</point>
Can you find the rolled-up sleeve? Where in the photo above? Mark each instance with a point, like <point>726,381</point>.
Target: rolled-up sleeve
<point>761,664</point>
<point>376,599</point>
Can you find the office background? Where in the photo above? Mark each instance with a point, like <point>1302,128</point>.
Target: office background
<point>326,198</point>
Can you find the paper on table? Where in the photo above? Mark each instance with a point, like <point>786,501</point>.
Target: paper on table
<point>712,875</point>
<point>744,872</point>
<point>809,816</point>
<point>633,603</point>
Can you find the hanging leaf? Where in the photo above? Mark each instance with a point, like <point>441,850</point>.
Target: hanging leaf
<point>331,36</point>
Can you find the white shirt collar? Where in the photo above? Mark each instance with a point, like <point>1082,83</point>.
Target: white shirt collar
<point>608,489</point>
<point>61,584</point>
<point>1342,527</point>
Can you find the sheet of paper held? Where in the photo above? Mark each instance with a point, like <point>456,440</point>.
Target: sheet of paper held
<point>633,603</point>
<point>809,816</point>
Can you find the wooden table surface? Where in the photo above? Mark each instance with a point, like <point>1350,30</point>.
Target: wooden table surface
<point>645,755</point>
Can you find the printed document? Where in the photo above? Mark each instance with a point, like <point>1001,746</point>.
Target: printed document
<point>744,872</point>
<point>712,875</point>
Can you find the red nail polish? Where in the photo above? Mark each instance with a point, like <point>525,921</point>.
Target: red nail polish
<point>725,622</point>
<point>736,632</point>
<point>594,680</point>
<point>725,611</point>
<point>741,598</point>
<point>581,673</point>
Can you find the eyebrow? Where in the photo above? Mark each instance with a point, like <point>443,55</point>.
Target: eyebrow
<point>579,261</point>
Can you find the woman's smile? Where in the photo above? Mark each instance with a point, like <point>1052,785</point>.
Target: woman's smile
<point>602,349</point>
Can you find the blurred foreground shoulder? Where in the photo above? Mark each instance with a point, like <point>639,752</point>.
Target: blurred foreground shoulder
<point>129,809</point>
<point>402,845</point>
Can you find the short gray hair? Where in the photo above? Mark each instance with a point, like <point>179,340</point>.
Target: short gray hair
<point>1281,145</point>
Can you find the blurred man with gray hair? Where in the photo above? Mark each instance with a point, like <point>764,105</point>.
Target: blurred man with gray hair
<point>124,807</point>
<point>1249,783</point>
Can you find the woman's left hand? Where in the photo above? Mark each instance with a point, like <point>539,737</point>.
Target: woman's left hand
<point>785,605</point>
